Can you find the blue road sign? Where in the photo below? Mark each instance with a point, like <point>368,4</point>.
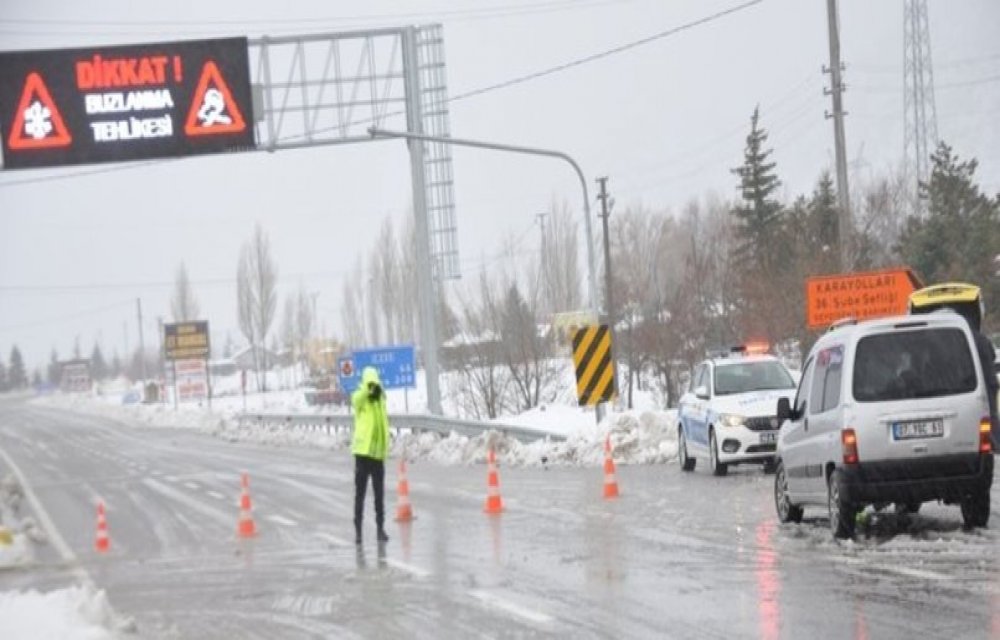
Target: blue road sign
<point>396,367</point>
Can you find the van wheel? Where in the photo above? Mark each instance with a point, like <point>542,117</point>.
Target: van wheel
<point>718,468</point>
<point>842,513</point>
<point>687,462</point>
<point>976,509</point>
<point>787,512</point>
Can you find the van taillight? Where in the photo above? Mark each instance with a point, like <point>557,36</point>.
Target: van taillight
<point>849,443</point>
<point>985,446</point>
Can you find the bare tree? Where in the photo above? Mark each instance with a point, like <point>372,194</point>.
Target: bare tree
<point>475,355</point>
<point>636,235</point>
<point>373,275</point>
<point>183,304</point>
<point>245,306</point>
<point>352,307</point>
<point>385,279</point>
<point>256,280</point>
<point>561,266</point>
<point>304,323</point>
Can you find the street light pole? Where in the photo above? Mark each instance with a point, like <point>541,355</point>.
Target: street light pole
<point>479,144</point>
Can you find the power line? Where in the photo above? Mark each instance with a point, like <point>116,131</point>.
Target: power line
<point>488,12</point>
<point>607,53</point>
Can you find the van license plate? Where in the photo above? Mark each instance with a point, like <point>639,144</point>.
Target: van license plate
<point>917,429</point>
<point>769,437</point>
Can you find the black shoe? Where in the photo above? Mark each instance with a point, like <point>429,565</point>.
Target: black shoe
<point>382,537</point>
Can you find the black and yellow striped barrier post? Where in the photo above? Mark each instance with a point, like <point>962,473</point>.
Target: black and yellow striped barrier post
<point>595,370</point>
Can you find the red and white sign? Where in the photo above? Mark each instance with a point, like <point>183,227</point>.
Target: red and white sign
<point>192,380</point>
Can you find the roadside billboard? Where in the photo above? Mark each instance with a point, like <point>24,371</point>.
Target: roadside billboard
<point>132,102</point>
<point>191,379</point>
<point>186,340</point>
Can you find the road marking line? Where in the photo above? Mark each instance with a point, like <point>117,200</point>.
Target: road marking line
<point>492,601</point>
<point>193,486</point>
<point>283,521</point>
<point>171,478</point>
<point>216,495</point>
<point>185,499</point>
<point>46,521</point>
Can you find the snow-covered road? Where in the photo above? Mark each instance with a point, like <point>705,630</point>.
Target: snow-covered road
<point>679,555</point>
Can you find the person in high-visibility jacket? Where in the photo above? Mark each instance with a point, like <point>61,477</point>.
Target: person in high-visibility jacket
<point>370,446</point>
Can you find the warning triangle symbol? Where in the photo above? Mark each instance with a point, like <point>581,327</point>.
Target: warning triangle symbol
<point>213,109</point>
<point>37,123</point>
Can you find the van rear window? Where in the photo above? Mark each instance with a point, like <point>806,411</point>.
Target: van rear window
<point>913,364</point>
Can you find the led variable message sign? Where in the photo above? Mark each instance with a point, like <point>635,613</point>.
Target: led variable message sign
<point>106,104</point>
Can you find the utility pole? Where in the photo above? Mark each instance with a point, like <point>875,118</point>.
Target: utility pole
<point>142,345</point>
<point>835,91</point>
<point>609,305</point>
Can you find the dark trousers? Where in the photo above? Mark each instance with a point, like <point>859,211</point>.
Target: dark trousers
<point>363,468</point>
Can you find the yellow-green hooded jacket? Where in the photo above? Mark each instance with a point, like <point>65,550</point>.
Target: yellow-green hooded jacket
<point>371,421</point>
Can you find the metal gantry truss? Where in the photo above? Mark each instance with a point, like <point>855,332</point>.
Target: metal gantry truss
<point>326,89</point>
<point>330,88</point>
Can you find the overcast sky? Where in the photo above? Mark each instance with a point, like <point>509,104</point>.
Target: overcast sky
<point>665,121</point>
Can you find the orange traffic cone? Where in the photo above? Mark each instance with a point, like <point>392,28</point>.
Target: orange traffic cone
<point>493,502</point>
<point>247,528</point>
<point>610,480</point>
<point>404,512</point>
<point>103,542</point>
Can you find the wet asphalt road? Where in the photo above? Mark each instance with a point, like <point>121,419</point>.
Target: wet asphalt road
<point>677,556</point>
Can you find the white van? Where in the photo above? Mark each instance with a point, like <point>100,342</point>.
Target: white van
<point>887,411</point>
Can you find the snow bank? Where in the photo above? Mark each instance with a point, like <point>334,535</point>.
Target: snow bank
<point>16,533</point>
<point>76,613</point>
<point>636,438</point>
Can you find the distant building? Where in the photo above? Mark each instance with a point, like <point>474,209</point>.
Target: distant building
<point>75,376</point>
<point>244,358</point>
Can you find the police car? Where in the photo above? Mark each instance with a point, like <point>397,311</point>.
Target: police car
<point>728,414</point>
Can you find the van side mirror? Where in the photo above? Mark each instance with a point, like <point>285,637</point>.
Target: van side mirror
<point>784,410</point>
<point>701,392</point>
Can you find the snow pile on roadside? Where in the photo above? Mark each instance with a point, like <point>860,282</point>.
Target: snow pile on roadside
<point>15,533</point>
<point>636,438</point>
<point>75,613</point>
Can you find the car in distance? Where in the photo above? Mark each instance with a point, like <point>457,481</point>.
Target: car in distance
<point>888,411</point>
<point>727,416</point>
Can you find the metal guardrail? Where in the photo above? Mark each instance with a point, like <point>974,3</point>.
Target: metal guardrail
<point>334,423</point>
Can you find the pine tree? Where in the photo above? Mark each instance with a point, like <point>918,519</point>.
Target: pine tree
<point>3,377</point>
<point>98,367</point>
<point>759,216</point>
<point>959,238</point>
<point>17,376</point>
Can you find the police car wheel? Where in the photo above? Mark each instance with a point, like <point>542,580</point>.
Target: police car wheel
<point>687,462</point>
<point>787,512</point>
<point>718,468</point>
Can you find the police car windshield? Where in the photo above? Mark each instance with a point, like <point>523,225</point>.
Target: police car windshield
<point>751,376</point>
